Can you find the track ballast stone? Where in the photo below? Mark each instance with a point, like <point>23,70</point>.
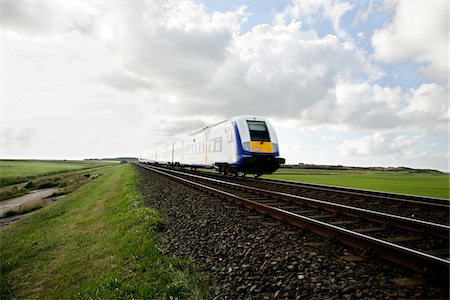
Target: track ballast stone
<point>248,256</point>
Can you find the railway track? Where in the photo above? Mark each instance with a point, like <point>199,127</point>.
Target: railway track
<point>421,208</point>
<point>416,244</point>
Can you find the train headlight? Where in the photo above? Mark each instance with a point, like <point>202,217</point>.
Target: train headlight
<point>246,146</point>
<point>274,147</point>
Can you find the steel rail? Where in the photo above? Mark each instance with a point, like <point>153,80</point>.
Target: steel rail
<point>396,198</point>
<point>413,259</point>
<point>437,230</point>
<point>438,203</point>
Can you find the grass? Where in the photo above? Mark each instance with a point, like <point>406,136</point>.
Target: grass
<point>67,182</point>
<point>421,184</point>
<point>98,242</point>
<point>17,171</point>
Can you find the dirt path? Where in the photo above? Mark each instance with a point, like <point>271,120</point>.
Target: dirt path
<point>15,203</point>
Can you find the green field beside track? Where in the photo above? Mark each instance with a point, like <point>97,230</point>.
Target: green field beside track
<point>16,171</point>
<point>421,184</point>
<point>98,242</point>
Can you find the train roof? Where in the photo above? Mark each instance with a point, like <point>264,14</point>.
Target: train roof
<point>235,118</point>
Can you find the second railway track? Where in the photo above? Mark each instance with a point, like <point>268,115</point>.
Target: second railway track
<point>416,244</point>
<point>435,210</point>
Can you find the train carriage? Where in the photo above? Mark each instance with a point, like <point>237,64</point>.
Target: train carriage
<point>243,144</point>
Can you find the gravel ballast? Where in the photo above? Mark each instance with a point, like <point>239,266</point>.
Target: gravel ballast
<point>249,256</point>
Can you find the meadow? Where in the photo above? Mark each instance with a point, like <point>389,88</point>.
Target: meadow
<point>17,171</point>
<point>98,242</point>
<point>421,184</point>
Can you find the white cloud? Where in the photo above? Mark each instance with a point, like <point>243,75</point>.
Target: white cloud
<point>368,145</point>
<point>367,106</point>
<point>418,32</point>
<point>380,143</point>
<point>374,6</point>
<point>43,18</point>
<point>207,68</point>
<point>309,10</point>
<point>173,46</point>
<point>427,107</point>
<point>396,148</point>
<point>280,63</point>
<point>13,138</point>
<point>371,106</point>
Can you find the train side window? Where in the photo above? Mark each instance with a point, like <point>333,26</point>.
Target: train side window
<point>218,144</point>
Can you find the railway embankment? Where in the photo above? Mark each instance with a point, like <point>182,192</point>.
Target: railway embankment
<point>97,242</point>
<point>248,255</point>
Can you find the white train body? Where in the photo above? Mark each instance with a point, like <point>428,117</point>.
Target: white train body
<point>245,144</point>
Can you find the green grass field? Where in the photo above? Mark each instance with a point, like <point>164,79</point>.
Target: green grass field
<point>16,171</point>
<point>422,184</point>
<point>98,242</point>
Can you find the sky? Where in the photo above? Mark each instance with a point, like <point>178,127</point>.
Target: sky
<point>361,83</point>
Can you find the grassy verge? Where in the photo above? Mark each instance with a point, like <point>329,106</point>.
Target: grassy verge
<point>429,185</point>
<point>17,171</point>
<point>67,182</point>
<point>96,243</point>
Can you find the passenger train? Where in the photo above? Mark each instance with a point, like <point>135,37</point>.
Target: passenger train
<point>240,145</point>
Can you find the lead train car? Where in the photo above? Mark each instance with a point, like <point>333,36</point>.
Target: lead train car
<point>243,144</point>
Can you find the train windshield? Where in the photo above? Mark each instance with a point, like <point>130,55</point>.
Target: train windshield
<point>258,131</point>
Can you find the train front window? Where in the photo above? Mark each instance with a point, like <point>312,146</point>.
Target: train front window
<point>258,131</point>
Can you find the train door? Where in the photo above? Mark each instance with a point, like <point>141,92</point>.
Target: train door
<point>182,153</point>
<point>205,156</point>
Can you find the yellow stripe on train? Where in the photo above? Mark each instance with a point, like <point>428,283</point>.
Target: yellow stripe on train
<point>261,147</point>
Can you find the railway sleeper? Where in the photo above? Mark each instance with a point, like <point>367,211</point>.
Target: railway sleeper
<point>322,216</point>
<point>396,239</point>
<point>344,222</point>
<point>370,229</point>
<point>303,212</point>
<point>438,252</point>
<point>276,204</point>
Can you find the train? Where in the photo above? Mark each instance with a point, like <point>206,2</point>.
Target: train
<point>237,146</point>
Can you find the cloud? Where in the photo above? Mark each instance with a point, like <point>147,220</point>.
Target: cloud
<point>205,66</point>
<point>374,6</point>
<point>172,46</point>
<point>178,127</point>
<point>371,106</point>
<point>427,107</point>
<point>363,105</point>
<point>418,32</point>
<point>125,80</point>
<point>199,64</point>
<point>41,18</point>
<point>380,143</point>
<point>278,64</point>
<point>312,11</point>
<point>11,138</point>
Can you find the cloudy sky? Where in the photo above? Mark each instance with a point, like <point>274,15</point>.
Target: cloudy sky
<point>345,82</point>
